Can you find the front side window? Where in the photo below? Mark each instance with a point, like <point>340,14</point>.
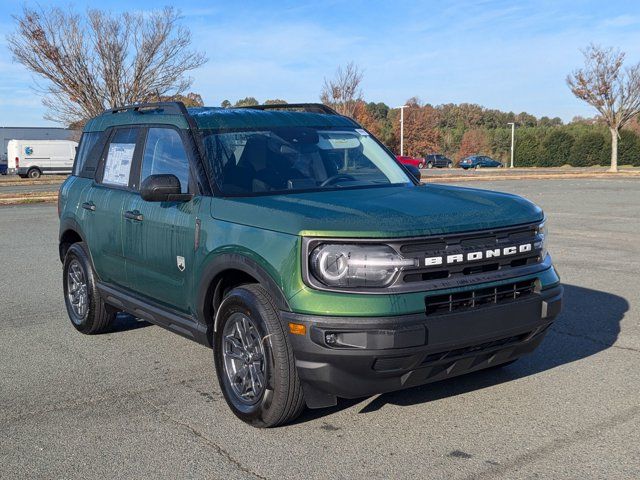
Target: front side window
<point>289,159</point>
<point>164,153</point>
<point>117,164</point>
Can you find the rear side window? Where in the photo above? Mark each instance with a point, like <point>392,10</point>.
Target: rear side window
<point>164,152</point>
<point>87,143</point>
<point>119,158</point>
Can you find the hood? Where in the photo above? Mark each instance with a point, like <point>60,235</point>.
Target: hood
<point>401,211</point>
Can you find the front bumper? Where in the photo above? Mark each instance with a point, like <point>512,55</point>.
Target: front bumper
<point>382,354</point>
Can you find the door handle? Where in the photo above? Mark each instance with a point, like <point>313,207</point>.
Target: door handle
<point>89,206</point>
<point>134,215</point>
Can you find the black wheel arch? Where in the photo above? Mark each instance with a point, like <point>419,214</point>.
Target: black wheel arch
<point>70,233</point>
<point>241,269</point>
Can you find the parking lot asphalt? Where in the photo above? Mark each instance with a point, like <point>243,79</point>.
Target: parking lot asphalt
<point>141,402</point>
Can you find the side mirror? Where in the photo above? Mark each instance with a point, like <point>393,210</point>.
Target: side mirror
<point>163,188</point>
<point>415,171</point>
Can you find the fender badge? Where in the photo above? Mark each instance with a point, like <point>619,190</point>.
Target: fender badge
<point>180,262</point>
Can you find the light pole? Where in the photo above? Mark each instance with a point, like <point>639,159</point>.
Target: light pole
<point>513,136</point>
<point>402,129</point>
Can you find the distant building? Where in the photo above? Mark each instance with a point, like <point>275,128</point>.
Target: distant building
<point>32,133</point>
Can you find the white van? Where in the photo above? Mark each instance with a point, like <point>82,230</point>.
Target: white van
<point>32,158</point>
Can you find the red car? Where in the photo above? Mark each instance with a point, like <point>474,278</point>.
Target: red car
<point>416,162</point>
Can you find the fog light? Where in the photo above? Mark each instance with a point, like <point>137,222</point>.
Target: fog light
<point>331,338</point>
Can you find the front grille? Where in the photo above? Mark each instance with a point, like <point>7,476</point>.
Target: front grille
<point>474,349</point>
<point>478,297</point>
<point>468,244</point>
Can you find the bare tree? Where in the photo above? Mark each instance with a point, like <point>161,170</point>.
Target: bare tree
<point>89,63</point>
<point>343,92</point>
<point>612,90</point>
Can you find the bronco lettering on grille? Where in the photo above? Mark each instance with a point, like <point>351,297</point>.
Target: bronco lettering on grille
<point>478,255</point>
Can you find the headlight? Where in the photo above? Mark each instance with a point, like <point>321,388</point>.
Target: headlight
<point>343,265</point>
<point>543,242</point>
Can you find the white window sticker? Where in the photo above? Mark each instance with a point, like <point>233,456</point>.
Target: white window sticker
<point>118,164</point>
<point>362,132</point>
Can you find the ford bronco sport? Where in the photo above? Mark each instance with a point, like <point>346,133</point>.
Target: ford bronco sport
<point>291,242</point>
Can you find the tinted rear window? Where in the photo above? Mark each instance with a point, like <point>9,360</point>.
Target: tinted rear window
<point>87,142</point>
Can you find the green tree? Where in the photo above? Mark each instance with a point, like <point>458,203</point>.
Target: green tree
<point>379,110</point>
<point>247,102</point>
<point>525,119</point>
<point>588,148</point>
<point>556,149</point>
<point>528,148</point>
<point>225,104</point>
<point>190,99</point>
<point>549,122</point>
<point>499,143</point>
<point>629,148</point>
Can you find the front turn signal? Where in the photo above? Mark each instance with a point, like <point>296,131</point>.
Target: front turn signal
<point>297,328</point>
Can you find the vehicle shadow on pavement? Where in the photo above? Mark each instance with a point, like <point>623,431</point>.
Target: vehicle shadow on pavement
<point>125,322</point>
<point>588,324</point>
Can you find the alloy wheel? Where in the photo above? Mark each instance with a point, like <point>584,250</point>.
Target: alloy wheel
<point>244,358</point>
<point>77,293</point>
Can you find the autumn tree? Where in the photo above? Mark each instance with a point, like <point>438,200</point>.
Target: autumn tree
<point>99,60</point>
<point>365,117</point>
<point>343,92</point>
<point>473,142</point>
<point>421,135</point>
<point>612,90</point>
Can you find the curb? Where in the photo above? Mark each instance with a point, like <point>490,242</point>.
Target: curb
<point>27,198</point>
<point>528,176</point>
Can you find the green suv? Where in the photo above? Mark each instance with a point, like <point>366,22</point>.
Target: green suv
<point>291,242</point>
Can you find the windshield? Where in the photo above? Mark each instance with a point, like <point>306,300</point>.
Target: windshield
<point>290,159</point>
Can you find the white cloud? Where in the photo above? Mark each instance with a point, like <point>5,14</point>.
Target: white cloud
<point>621,21</point>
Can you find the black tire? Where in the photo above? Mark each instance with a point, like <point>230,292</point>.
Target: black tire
<point>421,165</point>
<point>98,316</point>
<point>34,173</point>
<point>281,399</point>
<point>429,165</point>
<point>449,165</point>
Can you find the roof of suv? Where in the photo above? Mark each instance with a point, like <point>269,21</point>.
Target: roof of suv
<point>232,118</point>
<point>215,118</point>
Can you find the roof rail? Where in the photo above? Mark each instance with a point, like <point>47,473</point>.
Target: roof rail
<point>305,107</point>
<point>176,108</point>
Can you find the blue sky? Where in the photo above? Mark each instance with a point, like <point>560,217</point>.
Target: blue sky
<point>501,54</point>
